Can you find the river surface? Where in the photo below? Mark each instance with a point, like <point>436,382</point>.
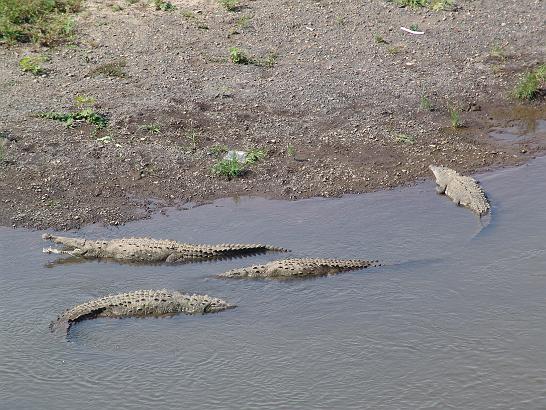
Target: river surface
<point>455,319</point>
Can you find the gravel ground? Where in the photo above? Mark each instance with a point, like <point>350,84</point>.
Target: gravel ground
<point>339,110</point>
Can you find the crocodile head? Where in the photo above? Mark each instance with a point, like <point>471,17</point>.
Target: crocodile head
<point>214,305</point>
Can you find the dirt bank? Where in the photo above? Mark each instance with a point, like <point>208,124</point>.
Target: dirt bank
<point>340,98</point>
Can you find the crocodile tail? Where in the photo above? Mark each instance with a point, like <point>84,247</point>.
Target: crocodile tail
<point>276,249</point>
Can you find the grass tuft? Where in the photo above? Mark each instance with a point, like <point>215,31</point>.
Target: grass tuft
<point>85,113</point>
<point>32,64</point>
<point>229,5</point>
<point>405,138</point>
<point>115,69</point>
<point>528,87</point>
<point>238,56</point>
<point>229,168</point>
<point>164,5</point>
<point>455,117</point>
<point>435,5</point>
<point>46,22</point>
<point>255,155</point>
<point>425,103</point>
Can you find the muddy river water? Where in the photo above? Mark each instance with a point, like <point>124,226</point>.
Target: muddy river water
<point>454,319</point>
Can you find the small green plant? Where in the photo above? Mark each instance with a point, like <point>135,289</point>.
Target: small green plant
<point>116,8</point>
<point>32,64</point>
<point>84,101</point>
<point>218,150</point>
<point>163,5</point>
<point>254,155</point>
<point>229,5</point>
<point>378,38</point>
<point>238,56</point>
<point>340,21</point>
<point>393,50</point>
<point>114,69</point>
<point>425,103</point>
<point>189,15</point>
<point>131,2</point>
<point>455,117</point>
<point>440,5</point>
<point>497,52</point>
<point>405,138</point>
<point>269,61</point>
<point>192,136</point>
<point>411,3</point>
<point>151,128</point>
<point>229,168</point>
<point>290,150</point>
<point>243,22</point>
<point>87,115</point>
<point>45,22</point>
<point>528,87</point>
<point>414,27</point>
<point>435,5</point>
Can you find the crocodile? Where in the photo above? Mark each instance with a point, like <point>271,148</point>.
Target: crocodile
<point>140,303</point>
<point>462,190</point>
<point>297,268</point>
<point>151,250</point>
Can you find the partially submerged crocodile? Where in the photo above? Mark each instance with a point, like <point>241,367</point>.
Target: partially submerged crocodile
<point>140,303</point>
<point>461,189</point>
<point>294,268</point>
<point>151,250</point>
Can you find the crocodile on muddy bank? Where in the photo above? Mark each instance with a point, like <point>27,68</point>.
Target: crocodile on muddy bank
<point>298,268</point>
<point>462,190</point>
<point>151,250</point>
<point>141,303</point>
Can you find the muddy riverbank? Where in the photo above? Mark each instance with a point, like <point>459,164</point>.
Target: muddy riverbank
<point>339,99</point>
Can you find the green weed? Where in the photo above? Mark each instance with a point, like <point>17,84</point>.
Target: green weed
<point>192,136</point>
<point>164,5</point>
<point>290,150</point>
<point>229,5</point>
<point>84,101</point>
<point>151,128</point>
<point>269,61</point>
<point>229,168</point>
<point>378,38</point>
<point>113,69</point>
<point>218,150</point>
<point>441,5</point>
<point>393,50</point>
<point>497,52</point>
<point>425,103</point>
<point>528,87</point>
<point>243,22</point>
<point>87,115</point>
<point>411,3</point>
<point>414,27</point>
<point>340,21</point>
<point>405,138</point>
<point>255,155</point>
<point>32,64</point>
<point>455,117</point>
<point>46,22</point>
<point>435,5</point>
<point>238,56</point>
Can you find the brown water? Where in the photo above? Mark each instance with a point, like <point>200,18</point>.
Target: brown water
<point>448,322</point>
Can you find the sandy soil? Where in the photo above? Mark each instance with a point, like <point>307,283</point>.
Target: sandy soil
<point>329,112</point>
